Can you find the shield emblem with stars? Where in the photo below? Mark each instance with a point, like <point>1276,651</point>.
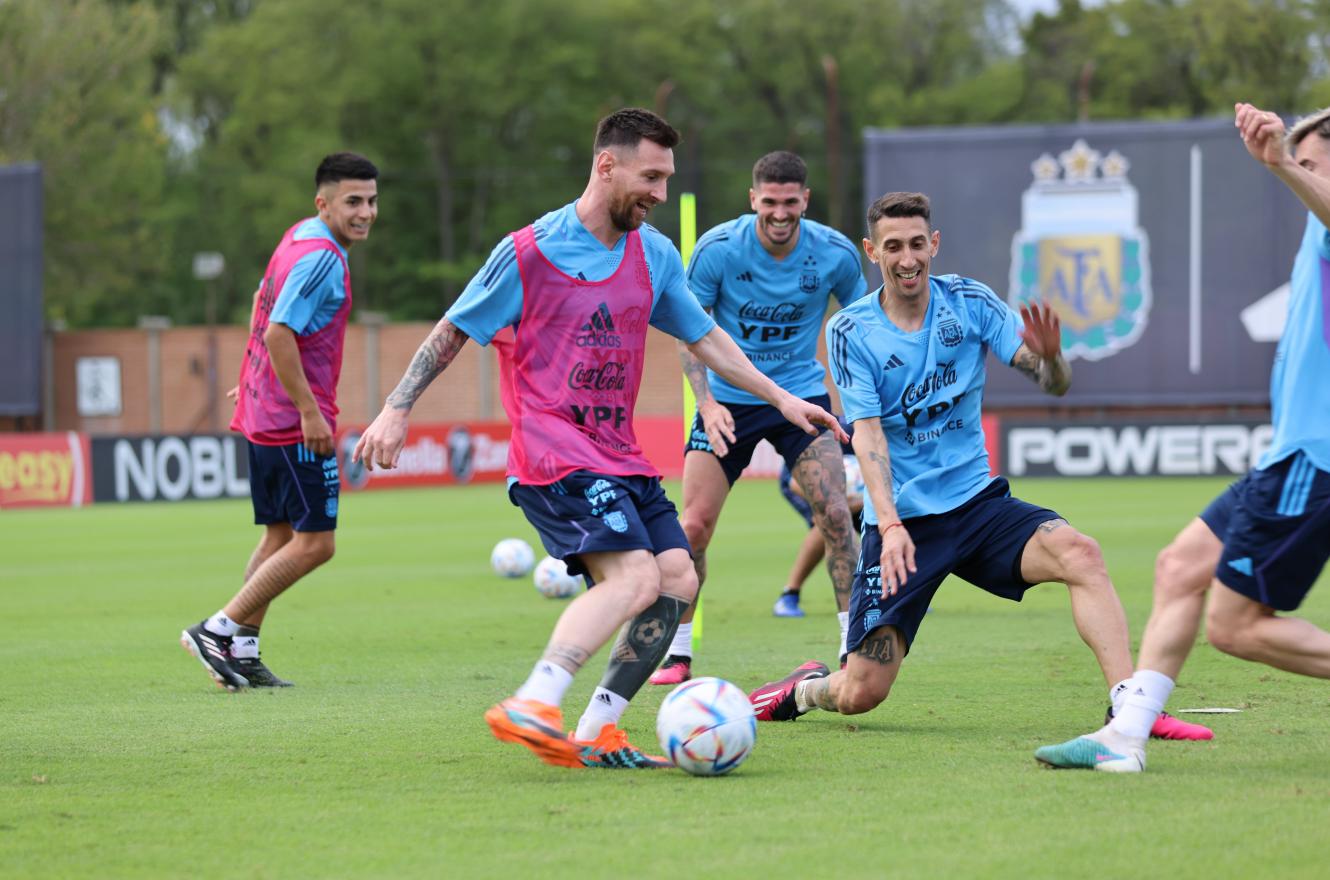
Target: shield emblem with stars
<point>1081,249</point>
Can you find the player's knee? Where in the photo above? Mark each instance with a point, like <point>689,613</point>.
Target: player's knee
<point>1179,574</point>
<point>857,697</point>
<point>834,520</point>
<point>698,529</point>
<point>643,579</point>
<point>316,548</point>
<point>1079,555</point>
<point>325,550</point>
<point>679,580</point>
<point>1226,633</point>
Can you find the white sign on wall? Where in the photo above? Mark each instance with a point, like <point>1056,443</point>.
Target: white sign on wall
<point>98,380</point>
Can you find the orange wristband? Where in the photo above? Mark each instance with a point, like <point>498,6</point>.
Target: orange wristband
<point>892,526</point>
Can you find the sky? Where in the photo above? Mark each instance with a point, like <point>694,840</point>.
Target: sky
<point>1027,8</point>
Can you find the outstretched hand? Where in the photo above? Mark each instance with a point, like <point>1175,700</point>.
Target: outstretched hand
<point>808,415</point>
<point>718,422</point>
<point>897,559</point>
<point>381,444</point>
<point>1262,133</point>
<point>1042,333</point>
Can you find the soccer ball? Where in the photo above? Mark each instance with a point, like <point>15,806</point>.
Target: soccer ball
<point>512,558</point>
<point>706,726</point>
<point>553,580</point>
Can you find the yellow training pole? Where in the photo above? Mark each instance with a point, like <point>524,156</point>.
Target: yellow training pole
<point>688,238</point>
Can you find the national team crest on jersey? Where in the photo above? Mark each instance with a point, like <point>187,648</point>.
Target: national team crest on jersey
<point>949,332</point>
<point>1081,248</point>
<point>809,280</point>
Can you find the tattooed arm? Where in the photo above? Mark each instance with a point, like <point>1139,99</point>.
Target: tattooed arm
<point>382,442</point>
<point>870,446</point>
<point>716,418</point>
<point>1040,355</point>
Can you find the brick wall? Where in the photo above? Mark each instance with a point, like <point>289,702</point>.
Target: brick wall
<point>193,401</point>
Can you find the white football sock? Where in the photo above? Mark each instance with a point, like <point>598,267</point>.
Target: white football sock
<point>245,646</point>
<point>682,646</point>
<point>801,695</point>
<point>843,618</point>
<point>1118,692</point>
<point>605,707</point>
<point>1142,705</point>
<point>221,625</point>
<point>547,684</point>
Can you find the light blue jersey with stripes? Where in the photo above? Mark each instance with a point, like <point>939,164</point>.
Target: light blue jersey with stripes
<point>1300,380</point>
<point>492,299</point>
<point>925,387</point>
<point>774,308</point>
<point>315,287</point>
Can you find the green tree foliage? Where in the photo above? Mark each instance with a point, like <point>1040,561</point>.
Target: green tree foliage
<point>169,127</point>
<point>1172,58</point>
<point>74,96</point>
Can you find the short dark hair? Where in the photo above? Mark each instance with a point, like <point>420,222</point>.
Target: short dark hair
<point>336,167</point>
<point>1318,122</point>
<point>781,166</point>
<point>632,125</point>
<point>899,204</point>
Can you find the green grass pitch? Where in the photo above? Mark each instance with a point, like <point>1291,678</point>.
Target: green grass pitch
<point>119,758</point>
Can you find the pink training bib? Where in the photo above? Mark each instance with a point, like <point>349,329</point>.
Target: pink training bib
<point>570,378</point>
<point>264,412</point>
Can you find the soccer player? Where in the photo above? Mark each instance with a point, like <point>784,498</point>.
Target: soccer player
<point>580,285</point>
<point>766,278</point>
<point>1257,549</point>
<point>286,407</point>
<point>812,548</point>
<point>908,361</point>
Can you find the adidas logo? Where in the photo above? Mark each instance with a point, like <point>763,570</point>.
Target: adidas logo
<point>893,362</point>
<point>1243,565</point>
<point>598,331</point>
<point>601,319</point>
<point>744,276</point>
<point>604,698</point>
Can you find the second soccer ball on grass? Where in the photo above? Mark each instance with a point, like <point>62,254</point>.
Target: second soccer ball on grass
<point>553,580</point>
<point>512,557</point>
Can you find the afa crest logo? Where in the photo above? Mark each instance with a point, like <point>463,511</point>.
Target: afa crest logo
<point>809,280</point>
<point>1081,248</point>
<point>949,332</point>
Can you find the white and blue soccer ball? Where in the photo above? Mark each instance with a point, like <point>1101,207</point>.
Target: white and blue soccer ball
<point>553,581</point>
<point>706,726</point>
<point>512,558</point>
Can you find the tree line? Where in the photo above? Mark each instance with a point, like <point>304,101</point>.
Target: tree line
<point>165,128</point>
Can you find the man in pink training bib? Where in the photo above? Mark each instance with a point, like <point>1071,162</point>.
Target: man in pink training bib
<point>286,406</point>
<point>580,286</point>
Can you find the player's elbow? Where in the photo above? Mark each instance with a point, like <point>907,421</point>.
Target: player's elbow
<point>276,334</point>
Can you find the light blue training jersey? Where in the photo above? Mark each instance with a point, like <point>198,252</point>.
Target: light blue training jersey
<point>774,308</point>
<point>1300,380</point>
<point>926,387</point>
<point>315,287</point>
<point>492,299</point>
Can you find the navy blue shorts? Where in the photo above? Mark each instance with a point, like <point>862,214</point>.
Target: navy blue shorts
<point>290,484</point>
<point>981,541</point>
<point>587,512</point>
<point>753,423</point>
<point>1275,525</point>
